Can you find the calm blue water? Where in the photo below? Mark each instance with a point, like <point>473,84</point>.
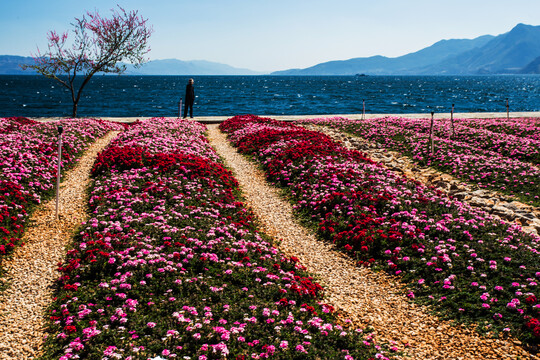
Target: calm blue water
<point>36,96</point>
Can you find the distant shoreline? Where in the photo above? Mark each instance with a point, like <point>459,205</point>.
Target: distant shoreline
<point>296,75</point>
<point>219,119</point>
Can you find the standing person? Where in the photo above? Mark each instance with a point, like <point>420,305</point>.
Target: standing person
<point>190,98</point>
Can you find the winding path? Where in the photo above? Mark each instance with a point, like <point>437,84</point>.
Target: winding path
<point>31,272</point>
<point>367,298</point>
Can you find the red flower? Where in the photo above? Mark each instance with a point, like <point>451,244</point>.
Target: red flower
<point>70,287</point>
<point>70,329</point>
<point>533,323</point>
<point>283,302</point>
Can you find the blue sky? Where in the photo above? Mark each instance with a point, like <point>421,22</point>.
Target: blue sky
<point>268,35</point>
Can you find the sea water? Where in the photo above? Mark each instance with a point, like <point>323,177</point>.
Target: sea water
<point>132,96</point>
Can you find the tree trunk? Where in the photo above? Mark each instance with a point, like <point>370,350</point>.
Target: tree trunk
<point>75,104</point>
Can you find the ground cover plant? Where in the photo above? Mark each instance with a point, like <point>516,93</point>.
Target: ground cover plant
<point>465,156</point>
<point>28,165</point>
<point>482,136</point>
<point>466,264</point>
<point>523,127</point>
<point>171,265</point>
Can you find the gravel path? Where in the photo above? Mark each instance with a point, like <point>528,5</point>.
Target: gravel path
<point>32,270</point>
<point>367,298</point>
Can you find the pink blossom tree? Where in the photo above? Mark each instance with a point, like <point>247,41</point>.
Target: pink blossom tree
<point>99,45</point>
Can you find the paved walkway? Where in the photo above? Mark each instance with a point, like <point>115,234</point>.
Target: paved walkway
<point>218,119</point>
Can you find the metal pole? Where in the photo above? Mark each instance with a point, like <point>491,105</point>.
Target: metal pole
<point>507,110</point>
<point>363,109</point>
<point>180,108</point>
<point>452,118</point>
<point>431,132</point>
<point>60,130</point>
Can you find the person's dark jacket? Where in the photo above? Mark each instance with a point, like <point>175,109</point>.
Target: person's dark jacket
<point>190,94</point>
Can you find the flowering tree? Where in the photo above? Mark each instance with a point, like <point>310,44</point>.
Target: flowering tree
<point>99,45</point>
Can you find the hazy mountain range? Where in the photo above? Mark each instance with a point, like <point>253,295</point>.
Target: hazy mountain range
<point>9,65</point>
<point>514,52</point>
<point>517,51</point>
<point>194,67</point>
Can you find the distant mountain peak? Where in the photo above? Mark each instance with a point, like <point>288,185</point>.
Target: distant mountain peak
<point>507,53</point>
<point>522,26</point>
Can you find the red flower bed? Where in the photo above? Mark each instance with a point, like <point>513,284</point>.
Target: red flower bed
<point>458,259</point>
<point>126,157</point>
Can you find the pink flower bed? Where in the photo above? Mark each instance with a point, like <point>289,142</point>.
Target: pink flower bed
<point>465,160</point>
<point>170,266</point>
<point>513,146</point>
<point>28,165</point>
<point>523,127</point>
<point>462,261</point>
